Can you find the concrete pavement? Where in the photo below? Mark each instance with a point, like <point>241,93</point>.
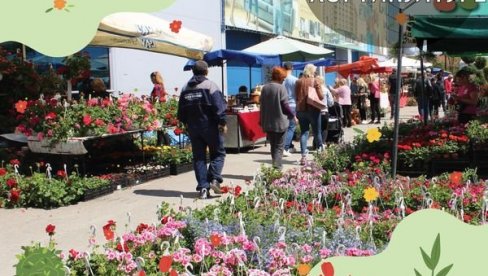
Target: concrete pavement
<point>21,226</point>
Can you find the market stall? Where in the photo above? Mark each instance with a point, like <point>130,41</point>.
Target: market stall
<point>243,130</point>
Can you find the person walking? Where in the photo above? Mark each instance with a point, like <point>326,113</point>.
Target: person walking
<point>343,92</point>
<point>289,84</point>
<point>328,102</point>
<point>308,114</point>
<point>394,85</point>
<point>361,102</point>
<point>201,109</point>
<point>448,86</point>
<point>435,100</point>
<point>423,101</point>
<point>275,114</point>
<point>374,98</point>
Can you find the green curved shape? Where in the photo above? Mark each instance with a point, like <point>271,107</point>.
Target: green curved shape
<point>462,245</point>
<point>59,32</point>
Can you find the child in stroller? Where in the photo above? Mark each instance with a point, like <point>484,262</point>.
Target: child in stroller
<point>334,132</point>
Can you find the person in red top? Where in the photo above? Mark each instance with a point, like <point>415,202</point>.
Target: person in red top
<point>466,95</point>
<point>448,86</point>
<point>158,92</point>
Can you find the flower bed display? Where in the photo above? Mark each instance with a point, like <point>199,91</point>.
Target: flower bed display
<point>49,189</point>
<point>58,121</point>
<point>284,226</point>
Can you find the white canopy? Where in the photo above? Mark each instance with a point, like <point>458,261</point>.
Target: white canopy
<point>147,32</point>
<point>406,62</point>
<point>289,49</point>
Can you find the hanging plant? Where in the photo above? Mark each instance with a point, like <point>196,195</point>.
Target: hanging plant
<point>75,65</point>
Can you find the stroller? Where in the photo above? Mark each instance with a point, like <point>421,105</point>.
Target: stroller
<point>335,132</point>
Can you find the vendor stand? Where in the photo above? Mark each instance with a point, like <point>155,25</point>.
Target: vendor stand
<point>243,130</point>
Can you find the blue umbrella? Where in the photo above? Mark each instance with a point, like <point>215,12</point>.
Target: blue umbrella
<point>217,58</point>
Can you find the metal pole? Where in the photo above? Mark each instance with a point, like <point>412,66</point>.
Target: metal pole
<point>425,105</point>
<point>394,154</point>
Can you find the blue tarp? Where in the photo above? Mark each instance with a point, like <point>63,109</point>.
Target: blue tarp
<point>216,58</point>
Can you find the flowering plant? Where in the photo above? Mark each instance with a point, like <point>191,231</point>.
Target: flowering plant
<point>94,117</point>
<point>74,65</point>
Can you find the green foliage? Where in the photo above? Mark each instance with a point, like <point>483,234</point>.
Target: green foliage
<point>477,131</point>
<point>334,158</point>
<point>480,63</point>
<point>269,174</point>
<point>75,65</point>
<point>38,260</point>
<point>468,59</point>
<point>167,155</point>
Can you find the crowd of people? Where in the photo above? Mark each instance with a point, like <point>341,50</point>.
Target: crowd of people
<point>288,102</point>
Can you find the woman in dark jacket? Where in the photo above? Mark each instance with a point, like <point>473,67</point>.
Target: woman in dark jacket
<point>275,114</point>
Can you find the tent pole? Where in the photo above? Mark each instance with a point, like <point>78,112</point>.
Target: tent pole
<point>222,70</point>
<point>394,154</point>
<point>425,105</point>
<point>250,78</point>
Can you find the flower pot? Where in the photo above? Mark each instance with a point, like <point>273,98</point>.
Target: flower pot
<point>155,174</point>
<point>97,192</point>
<point>176,169</point>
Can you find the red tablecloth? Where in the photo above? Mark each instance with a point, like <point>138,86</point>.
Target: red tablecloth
<point>250,128</point>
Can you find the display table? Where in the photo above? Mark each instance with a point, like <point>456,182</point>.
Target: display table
<point>243,130</point>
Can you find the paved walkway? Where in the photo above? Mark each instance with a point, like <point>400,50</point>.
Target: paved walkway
<point>21,226</point>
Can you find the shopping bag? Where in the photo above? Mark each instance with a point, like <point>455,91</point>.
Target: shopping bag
<point>314,100</point>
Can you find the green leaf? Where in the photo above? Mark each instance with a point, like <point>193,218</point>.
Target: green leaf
<point>435,255</point>
<point>445,270</point>
<point>417,273</point>
<point>71,5</point>
<point>427,260</point>
<point>357,130</point>
<point>66,10</point>
<point>48,10</point>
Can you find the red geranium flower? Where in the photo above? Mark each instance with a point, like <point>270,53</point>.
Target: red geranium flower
<point>125,249</point>
<point>50,116</point>
<point>3,171</point>
<point>61,173</point>
<point>175,26</point>
<point>14,162</point>
<point>87,120</point>
<point>11,183</point>
<point>99,122</point>
<point>215,240</point>
<point>237,191</point>
<point>178,131</point>
<point>108,230</point>
<point>224,189</point>
<point>50,229</point>
<point>164,220</point>
<point>14,195</point>
<point>141,227</point>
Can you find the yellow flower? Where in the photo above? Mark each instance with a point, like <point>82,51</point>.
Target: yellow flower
<point>370,194</point>
<point>373,135</point>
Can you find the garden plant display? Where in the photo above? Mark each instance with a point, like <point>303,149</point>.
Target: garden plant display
<point>45,188</point>
<point>284,223</point>
<point>353,215</point>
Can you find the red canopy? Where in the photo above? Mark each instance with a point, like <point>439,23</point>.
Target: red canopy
<point>364,65</point>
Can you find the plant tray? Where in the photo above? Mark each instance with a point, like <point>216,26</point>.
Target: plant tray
<point>439,166</point>
<point>180,168</point>
<point>155,174</point>
<point>97,192</point>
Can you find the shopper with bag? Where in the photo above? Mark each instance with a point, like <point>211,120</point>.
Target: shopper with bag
<point>309,96</point>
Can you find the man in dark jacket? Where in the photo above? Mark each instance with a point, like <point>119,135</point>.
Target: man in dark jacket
<point>202,109</point>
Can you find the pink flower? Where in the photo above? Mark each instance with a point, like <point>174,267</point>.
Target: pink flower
<point>197,258</point>
<point>40,136</point>
<point>99,122</point>
<point>325,253</point>
<point>50,116</point>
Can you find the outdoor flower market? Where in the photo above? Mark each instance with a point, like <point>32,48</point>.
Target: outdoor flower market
<point>261,143</point>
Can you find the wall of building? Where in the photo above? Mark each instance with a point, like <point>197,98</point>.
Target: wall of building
<point>130,69</point>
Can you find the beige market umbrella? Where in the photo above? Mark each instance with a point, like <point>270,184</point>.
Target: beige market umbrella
<point>289,49</point>
<point>150,33</point>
